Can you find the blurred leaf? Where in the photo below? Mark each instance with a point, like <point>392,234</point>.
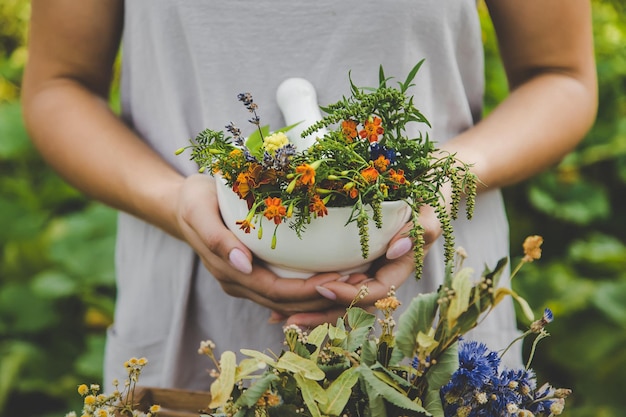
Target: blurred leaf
<point>13,356</point>
<point>83,243</point>
<point>19,222</point>
<point>610,298</point>
<point>23,311</point>
<point>579,202</point>
<point>53,284</point>
<point>90,363</point>
<point>15,142</point>
<point>603,251</point>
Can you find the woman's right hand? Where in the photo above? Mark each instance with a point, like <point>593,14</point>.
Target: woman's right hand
<point>232,263</point>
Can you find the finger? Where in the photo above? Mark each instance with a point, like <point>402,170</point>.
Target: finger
<point>389,274</point>
<point>313,319</point>
<point>203,225</point>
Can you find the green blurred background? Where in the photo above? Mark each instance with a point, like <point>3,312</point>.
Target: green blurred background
<point>56,248</point>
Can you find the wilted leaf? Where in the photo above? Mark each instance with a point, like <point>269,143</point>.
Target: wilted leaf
<point>247,367</point>
<point>222,387</point>
<point>462,286</point>
<point>502,292</point>
<point>258,355</point>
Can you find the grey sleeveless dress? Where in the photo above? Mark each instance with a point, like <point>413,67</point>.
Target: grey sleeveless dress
<point>184,61</point>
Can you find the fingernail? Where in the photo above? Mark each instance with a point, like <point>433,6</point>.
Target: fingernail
<point>326,293</point>
<point>399,248</point>
<point>344,278</point>
<point>240,261</point>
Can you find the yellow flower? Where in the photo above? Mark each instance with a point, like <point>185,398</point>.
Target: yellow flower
<point>532,248</point>
<point>275,141</point>
<point>102,413</point>
<point>90,400</point>
<point>155,408</point>
<point>388,303</point>
<point>83,389</point>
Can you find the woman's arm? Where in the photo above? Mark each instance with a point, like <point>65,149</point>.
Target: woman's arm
<point>547,51</point>
<point>72,47</point>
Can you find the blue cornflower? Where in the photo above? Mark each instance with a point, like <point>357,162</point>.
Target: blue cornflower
<point>377,150</point>
<point>538,325</point>
<point>548,316</point>
<point>477,364</point>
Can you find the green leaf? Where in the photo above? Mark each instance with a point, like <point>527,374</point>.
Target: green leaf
<point>338,393</point>
<point>357,317</point>
<point>337,333</point>
<point>318,335</point>
<point>433,404</point>
<point>312,394</point>
<point>254,142</point>
<point>378,388</point>
<point>418,317</point>
<point>409,78</point>
<point>440,373</point>
<point>295,364</point>
<point>222,387</point>
<point>251,395</point>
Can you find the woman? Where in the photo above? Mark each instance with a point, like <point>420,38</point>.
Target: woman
<point>184,63</point>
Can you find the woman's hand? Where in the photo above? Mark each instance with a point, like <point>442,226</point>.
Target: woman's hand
<point>232,263</point>
<point>389,271</point>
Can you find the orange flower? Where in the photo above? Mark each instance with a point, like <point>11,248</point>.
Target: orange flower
<point>381,163</point>
<point>348,129</point>
<point>372,129</point>
<point>370,174</point>
<point>397,177</point>
<point>253,178</point>
<point>532,248</point>
<point>307,174</point>
<point>274,209</point>
<point>245,225</point>
<point>317,207</point>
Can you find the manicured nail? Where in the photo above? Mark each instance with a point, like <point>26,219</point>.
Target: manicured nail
<point>240,261</point>
<point>399,248</point>
<point>326,293</point>
<point>344,278</point>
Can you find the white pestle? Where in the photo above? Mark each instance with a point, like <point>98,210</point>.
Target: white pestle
<point>297,100</point>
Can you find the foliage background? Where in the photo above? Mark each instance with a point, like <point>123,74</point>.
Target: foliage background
<point>56,248</point>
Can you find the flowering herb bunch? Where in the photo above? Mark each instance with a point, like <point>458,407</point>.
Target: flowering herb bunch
<point>414,367</point>
<point>366,158</point>
<point>120,402</point>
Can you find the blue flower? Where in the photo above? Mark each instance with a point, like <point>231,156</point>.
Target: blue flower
<point>477,365</point>
<point>377,150</point>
